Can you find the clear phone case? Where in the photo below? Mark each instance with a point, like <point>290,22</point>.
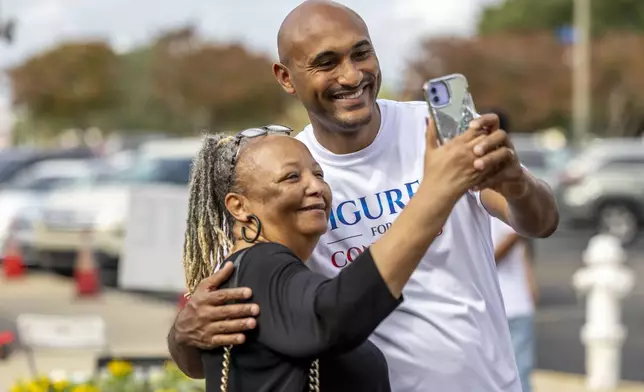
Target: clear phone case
<point>450,105</point>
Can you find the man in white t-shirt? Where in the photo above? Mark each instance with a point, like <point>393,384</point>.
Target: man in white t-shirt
<point>450,333</point>
<point>515,282</point>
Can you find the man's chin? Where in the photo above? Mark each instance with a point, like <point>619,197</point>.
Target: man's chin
<point>355,120</point>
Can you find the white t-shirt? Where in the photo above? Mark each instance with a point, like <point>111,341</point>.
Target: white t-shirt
<point>450,334</point>
<point>512,274</point>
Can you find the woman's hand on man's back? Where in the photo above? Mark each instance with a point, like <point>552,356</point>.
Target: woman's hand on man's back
<point>207,322</point>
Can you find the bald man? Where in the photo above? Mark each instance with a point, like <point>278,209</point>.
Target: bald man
<point>450,334</point>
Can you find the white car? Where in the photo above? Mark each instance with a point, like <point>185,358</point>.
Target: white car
<point>102,207</point>
<point>23,196</point>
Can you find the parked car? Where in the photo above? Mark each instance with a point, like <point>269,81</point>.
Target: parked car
<point>13,161</point>
<point>102,207</point>
<point>603,188</point>
<point>543,162</point>
<point>30,186</point>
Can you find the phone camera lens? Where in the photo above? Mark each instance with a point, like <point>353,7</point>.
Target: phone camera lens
<point>436,99</point>
<point>433,90</point>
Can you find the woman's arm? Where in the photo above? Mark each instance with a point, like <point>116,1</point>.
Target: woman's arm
<point>398,252</point>
<point>305,314</point>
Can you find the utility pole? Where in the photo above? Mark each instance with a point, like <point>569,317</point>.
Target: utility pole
<point>581,95</point>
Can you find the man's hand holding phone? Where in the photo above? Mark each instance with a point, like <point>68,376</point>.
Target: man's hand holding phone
<point>453,166</point>
<point>497,157</point>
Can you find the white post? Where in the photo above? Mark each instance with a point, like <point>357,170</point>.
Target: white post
<point>605,281</point>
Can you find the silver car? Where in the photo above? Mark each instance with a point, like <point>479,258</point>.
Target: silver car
<point>603,188</point>
<point>543,162</point>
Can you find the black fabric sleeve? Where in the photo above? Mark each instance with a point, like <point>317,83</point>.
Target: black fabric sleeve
<point>304,314</point>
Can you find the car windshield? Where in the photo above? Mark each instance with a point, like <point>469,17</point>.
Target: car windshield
<point>161,170</point>
<point>44,183</point>
<point>48,175</point>
<point>533,159</point>
<point>8,165</point>
<point>542,160</point>
<point>593,157</point>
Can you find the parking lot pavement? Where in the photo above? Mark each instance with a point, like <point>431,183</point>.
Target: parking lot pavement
<point>546,381</point>
<point>136,326</point>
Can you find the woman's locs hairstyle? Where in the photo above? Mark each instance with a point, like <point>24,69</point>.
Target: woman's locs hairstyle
<point>208,237</point>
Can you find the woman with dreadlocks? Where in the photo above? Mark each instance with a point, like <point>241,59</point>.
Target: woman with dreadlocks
<point>259,200</point>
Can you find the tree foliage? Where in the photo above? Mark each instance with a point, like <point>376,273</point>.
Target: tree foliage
<point>529,77</point>
<point>523,16</point>
<point>218,86</point>
<point>69,85</point>
<point>139,109</point>
<point>177,84</point>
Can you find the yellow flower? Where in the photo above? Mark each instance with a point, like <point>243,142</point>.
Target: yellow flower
<point>18,387</point>
<point>173,369</point>
<point>35,386</point>
<point>119,368</point>
<point>43,381</point>
<point>85,388</point>
<point>59,386</point>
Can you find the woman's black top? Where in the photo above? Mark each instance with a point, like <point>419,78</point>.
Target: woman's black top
<point>304,316</point>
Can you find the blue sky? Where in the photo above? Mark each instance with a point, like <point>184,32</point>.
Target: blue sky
<point>395,25</point>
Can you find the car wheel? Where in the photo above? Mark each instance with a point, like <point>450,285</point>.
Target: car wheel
<point>620,221</point>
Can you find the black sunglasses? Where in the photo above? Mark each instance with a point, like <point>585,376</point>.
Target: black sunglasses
<point>256,132</point>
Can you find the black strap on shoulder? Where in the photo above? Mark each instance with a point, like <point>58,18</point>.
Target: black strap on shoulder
<point>234,280</point>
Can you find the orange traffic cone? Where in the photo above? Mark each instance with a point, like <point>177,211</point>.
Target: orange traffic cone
<point>86,275</point>
<point>13,265</point>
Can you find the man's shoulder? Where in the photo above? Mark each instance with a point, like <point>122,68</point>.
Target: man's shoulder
<point>409,108</point>
<point>303,134</point>
<point>403,105</point>
<point>406,115</point>
<point>395,115</point>
<point>403,108</point>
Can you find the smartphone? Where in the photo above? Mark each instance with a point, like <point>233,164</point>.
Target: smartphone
<point>450,105</point>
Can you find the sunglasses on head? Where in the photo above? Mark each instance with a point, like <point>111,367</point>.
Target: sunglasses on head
<point>265,130</point>
<point>256,132</point>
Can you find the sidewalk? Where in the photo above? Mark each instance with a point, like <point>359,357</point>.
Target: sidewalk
<point>138,326</point>
<point>135,325</point>
<point>546,381</point>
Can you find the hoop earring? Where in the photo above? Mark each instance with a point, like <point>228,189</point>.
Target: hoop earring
<point>258,223</point>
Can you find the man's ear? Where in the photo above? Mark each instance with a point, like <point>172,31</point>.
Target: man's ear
<point>283,76</point>
<point>237,205</point>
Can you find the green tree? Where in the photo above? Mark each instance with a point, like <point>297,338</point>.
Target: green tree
<point>529,77</point>
<point>69,86</point>
<point>219,87</point>
<point>521,16</point>
<point>139,109</point>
